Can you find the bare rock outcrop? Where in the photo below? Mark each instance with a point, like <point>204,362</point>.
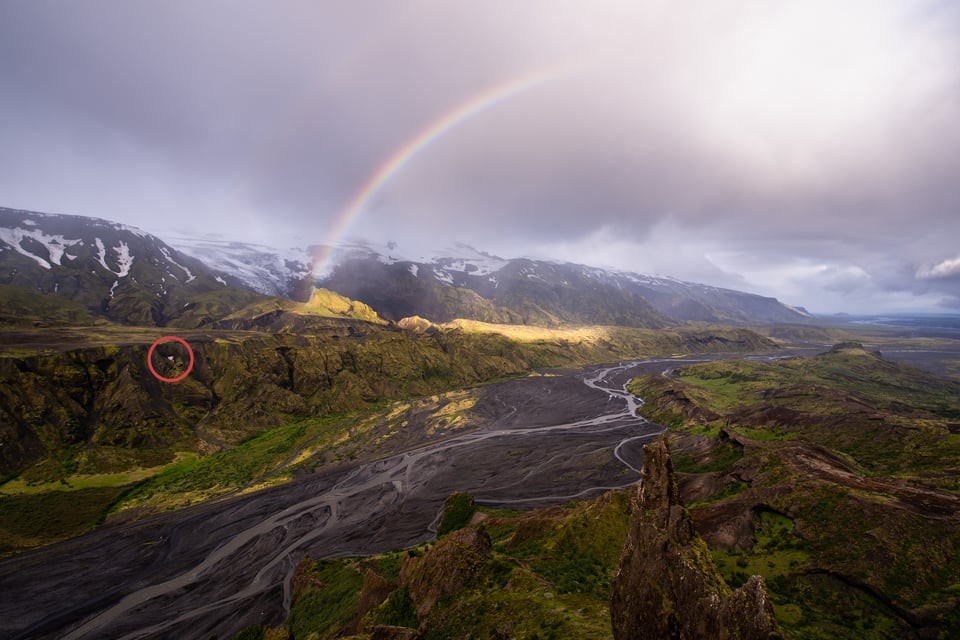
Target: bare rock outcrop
<point>667,585</point>
<point>456,562</point>
<point>375,590</point>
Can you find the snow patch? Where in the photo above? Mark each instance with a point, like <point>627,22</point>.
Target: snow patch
<point>221,280</point>
<point>414,269</point>
<point>55,245</point>
<point>102,254</point>
<point>113,288</point>
<point>265,269</point>
<point>166,254</point>
<point>124,258</point>
<point>443,276</point>
<point>460,257</point>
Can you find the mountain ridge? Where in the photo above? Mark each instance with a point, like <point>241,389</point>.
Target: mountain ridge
<point>134,277</point>
<point>115,271</point>
<point>462,281</point>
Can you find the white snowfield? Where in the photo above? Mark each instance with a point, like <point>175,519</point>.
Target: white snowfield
<point>123,256</point>
<point>264,269</point>
<point>55,245</point>
<point>166,254</point>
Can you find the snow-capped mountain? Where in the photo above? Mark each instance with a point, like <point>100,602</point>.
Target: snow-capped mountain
<point>114,270</point>
<point>520,290</point>
<point>275,272</point>
<point>461,281</point>
<point>132,276</point>
<point>290,272</point>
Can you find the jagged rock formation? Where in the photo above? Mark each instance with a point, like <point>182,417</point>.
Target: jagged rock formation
<point>375,590</point>
<point>455,563</point>
<point>667,585</point>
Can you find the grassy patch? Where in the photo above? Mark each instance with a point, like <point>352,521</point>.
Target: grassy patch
<point>548,577</point>
<point>865,376</point>
<point>721,458</point>
<point>329,607</point>
<point>581,555</point>
<point>711,429</point>
<point>198,478</point>
<point>818,607</point>
<point>457,511</point>
<point>75,482</point>
<point>397,610</point>
<point>777,552</point>
<point>723,392</point>
<point>31,520</point>
<point>768,434</point>
<point>24,307</point>
<point>887,418</point>
<point>728,491</point>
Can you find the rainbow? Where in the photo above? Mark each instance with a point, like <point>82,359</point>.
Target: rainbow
<point>457,116</point>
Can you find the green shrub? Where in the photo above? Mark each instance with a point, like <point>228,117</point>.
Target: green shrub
<point>397,610</point>
<point>457,512</point>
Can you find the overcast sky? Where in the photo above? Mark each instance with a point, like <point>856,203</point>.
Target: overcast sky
<point>808,150</point>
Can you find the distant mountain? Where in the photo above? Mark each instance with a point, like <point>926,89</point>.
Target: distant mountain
<point>113,270</point>
<point>467,283</point>
<point>491,290</point>
<point>131,276</point>
<point>462,282</point>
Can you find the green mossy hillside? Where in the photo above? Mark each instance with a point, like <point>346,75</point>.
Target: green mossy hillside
<point>836,477</point>
<point>22,307</point>
<point>58,405</point>
<point>542,574</point>
<point>893,419</point>
<point>79,406</point>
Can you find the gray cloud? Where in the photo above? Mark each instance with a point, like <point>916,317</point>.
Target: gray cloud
<point>804,150</point>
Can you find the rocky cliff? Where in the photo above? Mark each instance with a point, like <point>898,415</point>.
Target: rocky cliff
<point>667,585</point>
<point>455,563</point>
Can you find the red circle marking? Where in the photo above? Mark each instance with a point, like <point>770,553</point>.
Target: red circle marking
<point>150,359</point>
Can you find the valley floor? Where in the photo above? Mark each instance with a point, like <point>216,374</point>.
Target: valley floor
<point>218,567</point>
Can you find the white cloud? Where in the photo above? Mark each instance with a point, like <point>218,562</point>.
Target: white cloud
<point>940,270</point>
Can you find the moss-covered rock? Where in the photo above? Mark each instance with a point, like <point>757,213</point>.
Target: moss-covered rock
<point>455,563</point>
<point>667,585</point>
